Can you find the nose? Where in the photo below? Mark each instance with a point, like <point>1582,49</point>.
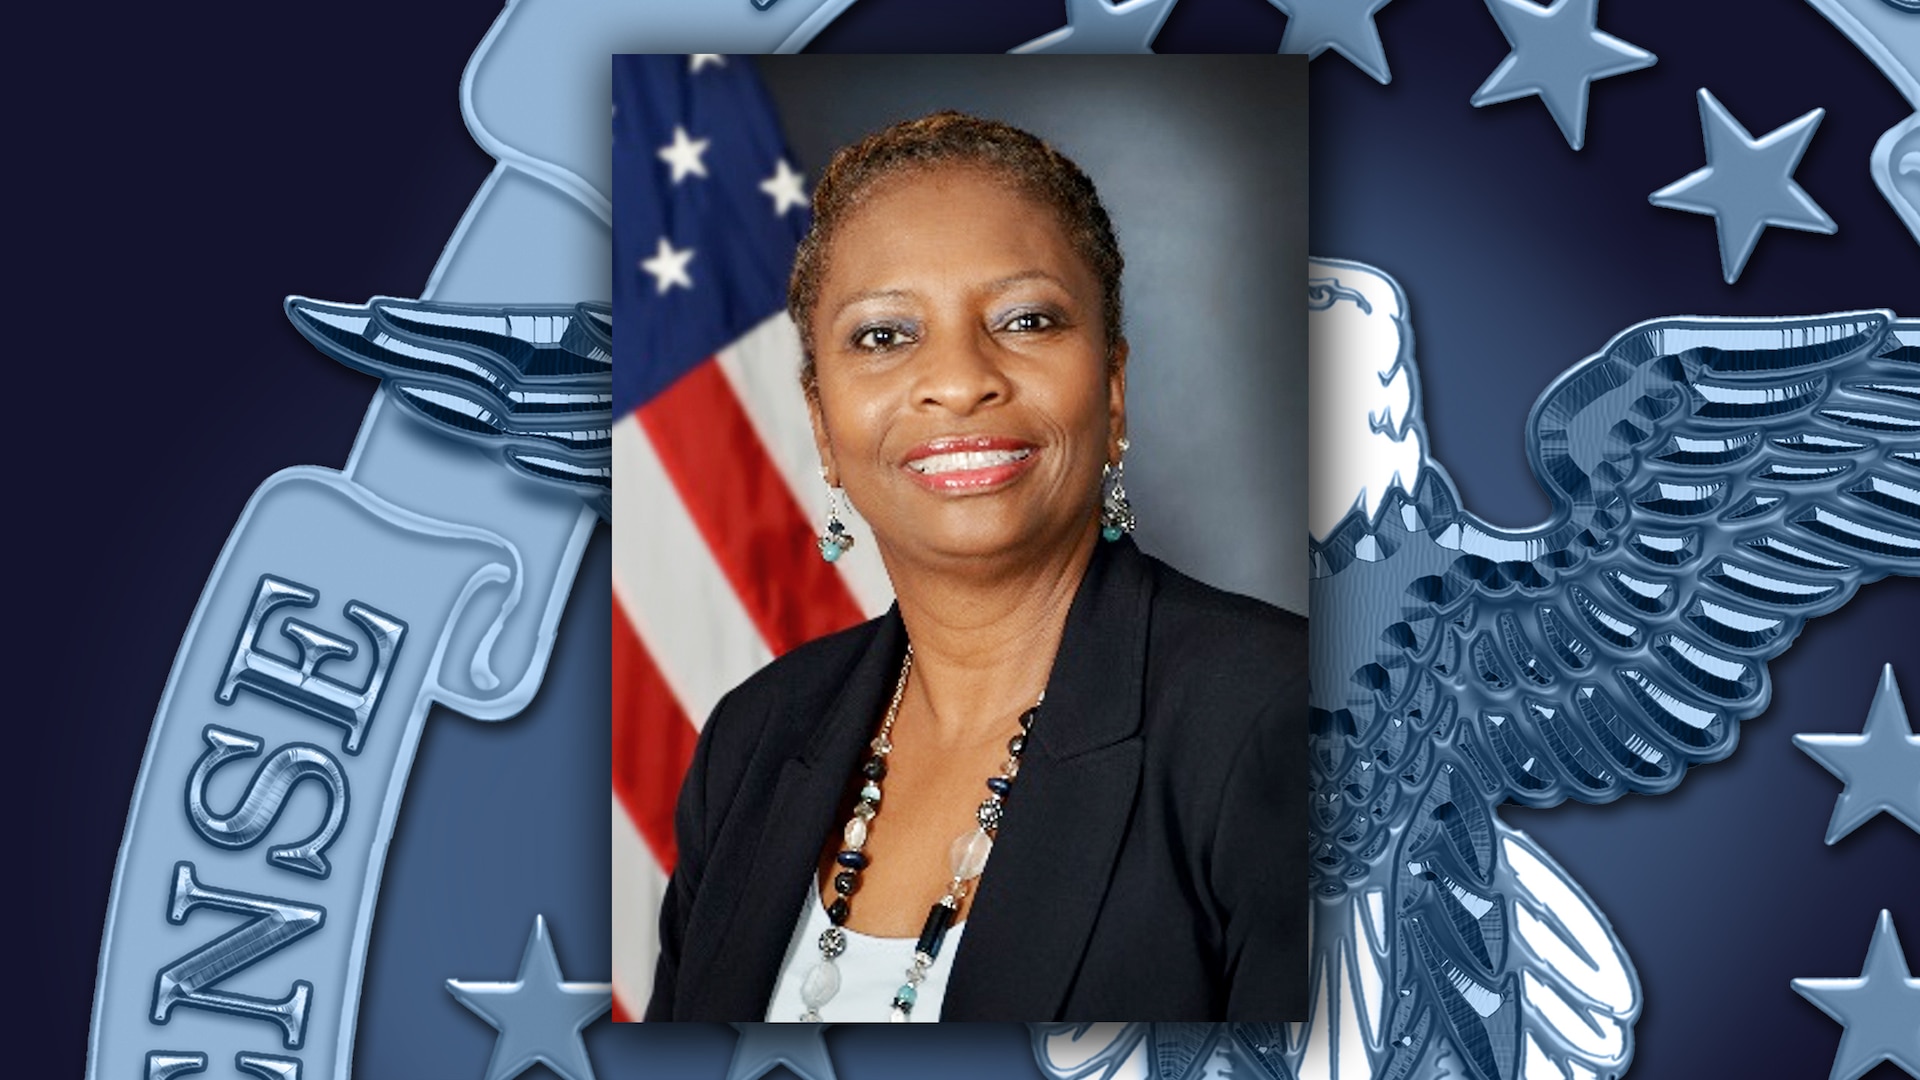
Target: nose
<point>960,374</point>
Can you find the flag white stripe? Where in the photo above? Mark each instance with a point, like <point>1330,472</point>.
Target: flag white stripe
<point>684,610</point>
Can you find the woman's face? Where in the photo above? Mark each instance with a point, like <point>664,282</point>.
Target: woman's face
<point>965,399</point>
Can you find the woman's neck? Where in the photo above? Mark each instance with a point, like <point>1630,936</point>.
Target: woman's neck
<point>984,644</point>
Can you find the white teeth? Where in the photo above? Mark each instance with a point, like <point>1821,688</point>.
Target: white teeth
<point>966,459</point>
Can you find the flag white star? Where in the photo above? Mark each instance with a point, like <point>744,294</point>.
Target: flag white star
<point>705,59</point>
<point>683,155</point>
<point>669,267</point>
<point>784,188</point>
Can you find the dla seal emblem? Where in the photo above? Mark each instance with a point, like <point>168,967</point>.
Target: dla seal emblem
<point>335,617</point>
<point>431,570</point>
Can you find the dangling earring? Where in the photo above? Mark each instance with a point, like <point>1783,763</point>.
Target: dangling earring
<point>836,540</point>
<point>1116,515</point>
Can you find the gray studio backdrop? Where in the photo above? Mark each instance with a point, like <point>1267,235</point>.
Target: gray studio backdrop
<point>1202,162</point>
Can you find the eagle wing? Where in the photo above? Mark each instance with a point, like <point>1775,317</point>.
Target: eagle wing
<point>530,384</point>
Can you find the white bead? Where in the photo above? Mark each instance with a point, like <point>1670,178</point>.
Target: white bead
<point>856,835</point>
<point>820,985</point>
<point>969,854</point>
<point>897,1016</point>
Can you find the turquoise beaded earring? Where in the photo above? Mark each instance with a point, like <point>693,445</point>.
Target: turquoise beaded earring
<point>836,540</point>
<point>1116,514</point>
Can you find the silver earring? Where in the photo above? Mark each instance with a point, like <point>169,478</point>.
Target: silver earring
<point>1116,514</point>
<point>836,540</point>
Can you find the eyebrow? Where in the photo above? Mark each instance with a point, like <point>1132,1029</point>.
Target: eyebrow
<point>996,286</point>
<point>870,294</point>
<point>1003,284</point>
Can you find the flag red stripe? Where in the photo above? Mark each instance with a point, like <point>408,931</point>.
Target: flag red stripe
<point>738,500</point>
<point>652,740</point>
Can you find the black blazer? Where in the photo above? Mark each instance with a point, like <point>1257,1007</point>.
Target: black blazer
<point>1152,860</point>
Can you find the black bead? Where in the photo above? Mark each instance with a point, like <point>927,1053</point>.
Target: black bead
<point>837,911</point>
<point>999,785</point>
<point>845,882</point>
<point>875,769</point>
<point>935,930</point>
<point>852,860</point>
<point>1017,745</point>
<point>1027,718</point>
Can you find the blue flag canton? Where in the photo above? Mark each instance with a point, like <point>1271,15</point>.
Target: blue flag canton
<point>708,209</point>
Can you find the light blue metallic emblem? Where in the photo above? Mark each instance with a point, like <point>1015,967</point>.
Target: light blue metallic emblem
<point>1095,26</point>
<point>762,1048</point>
<point>1888,32</point>
<point>1880,1010</point>
<point>1747,183</point>
<point>1880,766</point>
<point>346,604</point>
<point>165,1066</point>
<point>1557,54</point>
<point>539,1015</point>
<point>1716,483</point>
<point>1345,26</point>
<point>531,385</point>
<point>1163,1051</point>
<point>267,794</point>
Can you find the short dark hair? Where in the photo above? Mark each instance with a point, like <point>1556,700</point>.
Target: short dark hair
<point>1021,158</point>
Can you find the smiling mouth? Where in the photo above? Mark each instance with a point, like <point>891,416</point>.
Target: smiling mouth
<point>966,461</point>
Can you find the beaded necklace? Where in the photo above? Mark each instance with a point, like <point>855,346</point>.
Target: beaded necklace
<point>968,858</point>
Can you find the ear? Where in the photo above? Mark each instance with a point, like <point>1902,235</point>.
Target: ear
<point>822,444</point>
<point>1116,399</point>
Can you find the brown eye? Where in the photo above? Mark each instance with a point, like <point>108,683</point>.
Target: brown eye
<point>1030,321</point>
<point>879,338</point>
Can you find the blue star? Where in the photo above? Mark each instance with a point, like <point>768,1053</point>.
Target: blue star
<point>1556,55</point>
<point>1345,26</point>
<point>538,1015</point>
<point>1880,766</point>
<point>764,1047</point>
<point>1880,1009</point>
<point>1747,184</point>
<point>1094,26</point>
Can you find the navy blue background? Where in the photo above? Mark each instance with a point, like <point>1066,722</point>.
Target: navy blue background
<point>181,169</point>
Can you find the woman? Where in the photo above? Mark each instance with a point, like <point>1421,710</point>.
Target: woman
<point>1058,780</point>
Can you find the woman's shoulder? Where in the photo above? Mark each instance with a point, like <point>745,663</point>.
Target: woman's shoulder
<point>1224,697</point>
<point>1203,631</point>
<point>803,681</point>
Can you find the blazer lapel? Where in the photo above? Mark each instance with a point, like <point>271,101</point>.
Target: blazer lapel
<point>770,881</point>
<point>1053,857</point>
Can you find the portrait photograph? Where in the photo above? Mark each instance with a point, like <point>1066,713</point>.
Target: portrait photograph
<point>960,640</point>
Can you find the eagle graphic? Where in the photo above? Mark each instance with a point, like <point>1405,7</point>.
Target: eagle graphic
<point>1715,484</point>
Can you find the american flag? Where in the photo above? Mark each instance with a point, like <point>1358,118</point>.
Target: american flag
<point>716,483</point>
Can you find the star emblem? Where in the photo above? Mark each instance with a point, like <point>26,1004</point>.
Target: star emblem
<point>1557,54</point>
<point>1880,766</point>
<point>699,60</point>
<point>1345,26</point>
<point>668,267</point>
<point>682,155</point>
<point>1748,183</point>
<point>538,1015</point>
<point>1095,26</point>
<point>784,188</point>
<point>765,1047</point>
<point>1880,1010</point>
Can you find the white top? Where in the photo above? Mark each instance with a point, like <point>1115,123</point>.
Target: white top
<point>871,970</point>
